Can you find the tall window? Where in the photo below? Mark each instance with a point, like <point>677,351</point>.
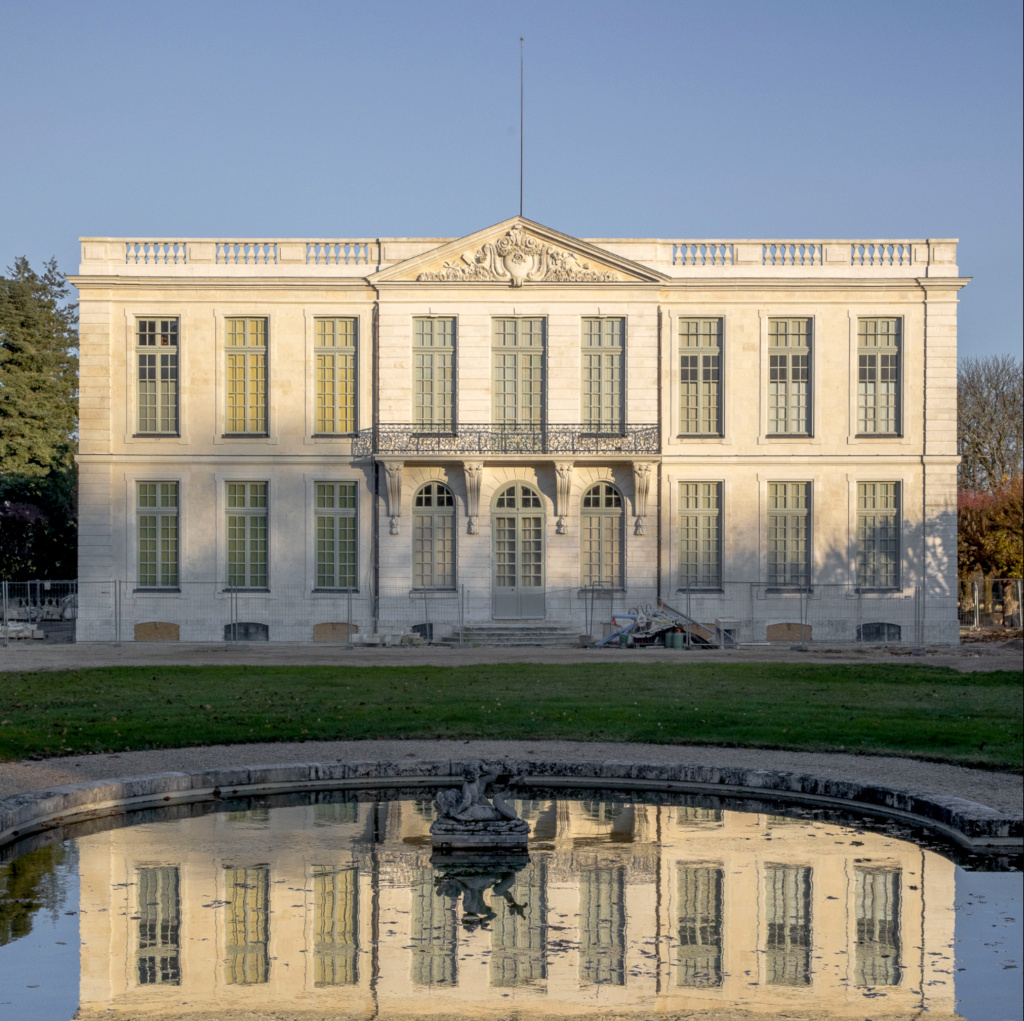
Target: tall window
<point>433,537</point>
<point>700,377</point>
<point>159,954</point>
<point>789,377</point>
<point>878,377</point>
<point>789,528</point>
<point>877,898</point>
<point>603,925</point>
<point>700,903</point>
<point>158,534</point>
<point>519,372</point>
<point>335,355</point>
<point>336,926</point>
<point>248,926</point>
<point>157,358</point>
<point>434,934</point>
<point>601,537</point>
<point>335,535</point>
<point>878,534</point>
<point>603,341</point>
<point>433,361</point>
<point>788,904</point>
<point>247,534</point>
<point>247,375</point>
<point>700,535</point>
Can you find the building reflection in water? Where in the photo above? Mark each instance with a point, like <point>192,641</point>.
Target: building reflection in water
<point>335,910</point>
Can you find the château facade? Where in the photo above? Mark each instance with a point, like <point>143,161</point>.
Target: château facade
<point>327,439</point>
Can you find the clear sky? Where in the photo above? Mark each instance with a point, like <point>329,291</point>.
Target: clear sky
<point>681,120</point>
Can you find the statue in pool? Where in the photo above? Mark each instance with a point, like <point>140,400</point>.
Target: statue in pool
<point>479,815</point>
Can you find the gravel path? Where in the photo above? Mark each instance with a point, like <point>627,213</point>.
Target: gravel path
<point>1000,791</point>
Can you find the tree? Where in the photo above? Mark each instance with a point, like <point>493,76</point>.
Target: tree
<point>38,371</point>
<point>990,537</point>
<point>990,422</point>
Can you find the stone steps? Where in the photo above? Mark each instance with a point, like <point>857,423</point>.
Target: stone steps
<point>526,633</point>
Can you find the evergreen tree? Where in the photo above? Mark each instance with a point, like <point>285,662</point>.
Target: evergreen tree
<point>38,371</point>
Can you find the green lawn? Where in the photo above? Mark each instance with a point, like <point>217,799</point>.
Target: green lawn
<point>926,712</point>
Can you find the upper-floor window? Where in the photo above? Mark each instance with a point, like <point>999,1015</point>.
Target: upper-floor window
<point>157,361</point>
<point>433,363</point>
<point>878,377</point>
<point>157,535</point>
<point>433,537</point>
<point>789,377</point>
<point>247,534</point>
<point>700,377</point>
<point>603,356</point>
<point>335,354</point>
<point>518,359</point>
<point>602,537</point>
<point>335,528</point>
<point>789,534</point>
<point>247,376</point>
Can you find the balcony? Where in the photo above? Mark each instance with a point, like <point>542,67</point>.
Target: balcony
<point>407,439</point>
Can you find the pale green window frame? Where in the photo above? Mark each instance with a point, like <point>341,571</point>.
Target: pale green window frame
<point>247,932</point>
<point>246,534</point>
<point>789,534</point>
<point>603,365</point>
<point>602,537</point>
<point>334,352</point>
<point>700,535</point>
<point>877,893</point>
<point>158,957</point>
<point>878,535</point>
<point>336,925</point>
<point>157,535</point>
<point>433,367</point>
<point>789,936</point>
<point>433,537</point>
<point>700,377</point>
<point>518,364</point>
<point>700,900</point>
<point>336,536</point>
<point>879,343</point>
<point>157,383</point>
<point>789,377</point>
<point>246,355</point>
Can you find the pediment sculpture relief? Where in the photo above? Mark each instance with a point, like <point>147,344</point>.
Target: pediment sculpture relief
<point>518,257</point>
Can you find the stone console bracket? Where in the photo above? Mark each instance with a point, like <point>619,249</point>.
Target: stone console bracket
<point>973,826</point>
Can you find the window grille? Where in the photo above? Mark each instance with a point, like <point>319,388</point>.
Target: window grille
<point>433,537</point>
<point>247,376</point>
<point>248,925</point>
<point>700,535</point>
<point>878,535</point>
<point>603,363</point>
<point>518,357</point>
<point>878,377</point>
<point>336,540</point>
<point>335,354</point>
<point>789,377</point>
<point>157,361</point>
<point>159,914</point>
<point>247,534</point>
<point>433,362</point>
<point>157,531</point>
<point>336,926</point>
<point>700,377</point>
<point>602,539</point>
<point>789,547</point>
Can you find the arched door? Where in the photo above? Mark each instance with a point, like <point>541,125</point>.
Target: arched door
<point>518,548</point>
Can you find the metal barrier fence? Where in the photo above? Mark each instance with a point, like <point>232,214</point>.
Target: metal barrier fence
<point>990,603</point>
<point>739,613</point>
<point>32,609</point>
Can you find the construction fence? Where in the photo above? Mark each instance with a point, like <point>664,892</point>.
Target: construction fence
<point>987,604</point>
<point>739,613</point>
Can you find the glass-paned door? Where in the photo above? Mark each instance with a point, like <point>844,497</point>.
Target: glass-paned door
<point>518,538</point>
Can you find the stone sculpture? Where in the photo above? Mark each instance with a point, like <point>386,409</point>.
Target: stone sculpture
<point>479,814</point>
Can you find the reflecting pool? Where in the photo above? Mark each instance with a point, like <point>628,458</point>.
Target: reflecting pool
<point>333,906</point>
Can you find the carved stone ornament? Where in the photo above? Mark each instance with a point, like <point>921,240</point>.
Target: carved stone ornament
<point>641,487</point>
<point>393,474</point>
<point>517,257</point>
<point>563,471</point>
<point>474,478</point>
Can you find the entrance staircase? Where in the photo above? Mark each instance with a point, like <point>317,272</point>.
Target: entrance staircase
<point>527,632</point>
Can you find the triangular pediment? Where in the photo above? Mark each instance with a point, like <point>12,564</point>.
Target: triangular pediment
<point>518,252</point>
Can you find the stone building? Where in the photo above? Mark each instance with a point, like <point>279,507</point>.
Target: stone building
<point>331,440</point>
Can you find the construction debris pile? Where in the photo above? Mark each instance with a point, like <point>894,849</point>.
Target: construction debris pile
<point>645,625</point>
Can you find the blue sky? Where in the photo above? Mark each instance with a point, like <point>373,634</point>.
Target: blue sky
<point>680,120</point>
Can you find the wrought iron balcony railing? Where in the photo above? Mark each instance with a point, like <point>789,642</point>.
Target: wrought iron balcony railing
<point>410,439</point>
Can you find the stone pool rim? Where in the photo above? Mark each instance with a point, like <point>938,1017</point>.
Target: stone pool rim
<point>969,824</point>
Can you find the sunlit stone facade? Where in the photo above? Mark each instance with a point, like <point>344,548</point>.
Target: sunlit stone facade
<point>332,911</point>
<point>327,440</point>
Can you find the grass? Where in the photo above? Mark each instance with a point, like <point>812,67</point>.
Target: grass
<point>920,711</point>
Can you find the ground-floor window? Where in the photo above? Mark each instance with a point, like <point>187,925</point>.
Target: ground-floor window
<point>433,537</point>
